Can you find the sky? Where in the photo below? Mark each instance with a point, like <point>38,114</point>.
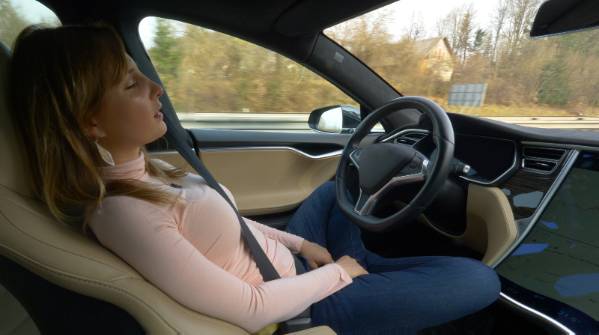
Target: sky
<point>431,11</point>
<point>146,31</point>
<point>404,12</point>
<point>32,10</point>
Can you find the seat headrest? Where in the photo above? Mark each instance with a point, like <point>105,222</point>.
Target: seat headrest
<point>13,170</point>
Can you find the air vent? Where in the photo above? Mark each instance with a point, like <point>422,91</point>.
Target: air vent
<point>540,159</point>
<point>411,138</point>
<point>534,164</point>
<point>544,153</point>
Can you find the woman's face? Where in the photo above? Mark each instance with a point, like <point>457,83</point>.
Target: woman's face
<point>129,116</point>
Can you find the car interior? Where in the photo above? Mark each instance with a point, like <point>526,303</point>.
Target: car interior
<point>483,197</point>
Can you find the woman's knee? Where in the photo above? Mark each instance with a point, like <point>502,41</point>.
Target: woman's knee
<point>326,193</point>
<point>328,188</point>
<point>479,284</point>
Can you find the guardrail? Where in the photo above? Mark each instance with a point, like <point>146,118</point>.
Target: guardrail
<point>299,122</point>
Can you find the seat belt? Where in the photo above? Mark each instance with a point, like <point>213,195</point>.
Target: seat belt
<point>264,265</point>
<point>178,136</point>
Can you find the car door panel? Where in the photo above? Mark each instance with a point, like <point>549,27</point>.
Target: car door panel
<point>263,181</point>
<point>267,172</point>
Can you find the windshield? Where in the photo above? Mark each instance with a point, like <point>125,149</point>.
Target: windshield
<point>476,57</point>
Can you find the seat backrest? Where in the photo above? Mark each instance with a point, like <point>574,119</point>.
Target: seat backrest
<point>30,237</point>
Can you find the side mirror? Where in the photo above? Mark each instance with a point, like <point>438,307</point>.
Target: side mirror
<point>340,119</point>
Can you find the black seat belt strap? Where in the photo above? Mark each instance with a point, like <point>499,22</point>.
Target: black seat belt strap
<point>194,141</point>
<point>178,139</point>
<point>176,135</point>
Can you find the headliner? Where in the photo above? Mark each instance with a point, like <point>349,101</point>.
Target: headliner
<point>284,17</point>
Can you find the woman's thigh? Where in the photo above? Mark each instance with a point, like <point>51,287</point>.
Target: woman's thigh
<point>310,220</point>
<point>319,219</point>
<point>399,294</point>
<point>408,294</point>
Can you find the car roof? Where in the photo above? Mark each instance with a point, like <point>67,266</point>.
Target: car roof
<point>285,17</point>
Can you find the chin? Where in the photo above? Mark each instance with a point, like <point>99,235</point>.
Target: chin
<point>158,135</point>
<point>164,128</point>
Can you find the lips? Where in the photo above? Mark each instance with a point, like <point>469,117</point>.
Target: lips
<point>159,114</point>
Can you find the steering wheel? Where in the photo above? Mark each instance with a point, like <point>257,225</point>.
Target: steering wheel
<point>383,166</point>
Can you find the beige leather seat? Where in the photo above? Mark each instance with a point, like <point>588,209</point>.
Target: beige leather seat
<point>62,256</point>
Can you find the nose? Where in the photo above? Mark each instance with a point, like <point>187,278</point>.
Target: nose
<point>159,89</point>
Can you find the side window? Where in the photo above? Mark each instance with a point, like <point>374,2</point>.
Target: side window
<point>17,14</point>
<point>215,80</point>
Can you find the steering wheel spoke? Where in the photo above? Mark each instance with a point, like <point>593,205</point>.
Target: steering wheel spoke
<point>418,166</point>
<point>366,202</point>
<point>384,166</point>
<point>354,157</point>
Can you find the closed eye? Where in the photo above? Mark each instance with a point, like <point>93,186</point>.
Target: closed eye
<point>130,86</point>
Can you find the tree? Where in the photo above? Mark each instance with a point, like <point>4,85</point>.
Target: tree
<point>465,34</point>
<point>449,26</point>
<point>520,13</point>
<point>498,25</point>
<point>479,40</point>
<point>553,89</point>
<point>165,53</point>
<point>416,28</point>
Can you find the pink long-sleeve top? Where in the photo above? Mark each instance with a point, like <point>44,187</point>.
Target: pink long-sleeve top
<point>193,251</point>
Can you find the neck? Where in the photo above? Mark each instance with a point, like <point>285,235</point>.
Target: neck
<point>122,155</point>
<point>126,169</point>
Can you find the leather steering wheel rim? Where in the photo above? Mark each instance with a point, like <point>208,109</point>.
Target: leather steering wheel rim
<point>434,172</point>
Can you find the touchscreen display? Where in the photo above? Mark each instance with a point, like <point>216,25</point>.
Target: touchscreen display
<point>559,258</point>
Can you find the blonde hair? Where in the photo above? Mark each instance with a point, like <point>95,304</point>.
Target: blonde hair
<point>58,77</point>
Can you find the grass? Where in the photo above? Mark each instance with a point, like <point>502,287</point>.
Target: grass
<point>492,110</point>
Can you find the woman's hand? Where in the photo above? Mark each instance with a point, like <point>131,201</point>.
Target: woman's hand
<point>351,266</point>
<point>315,254</point>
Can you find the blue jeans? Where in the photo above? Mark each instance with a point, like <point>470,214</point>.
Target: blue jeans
<point>399,295</point>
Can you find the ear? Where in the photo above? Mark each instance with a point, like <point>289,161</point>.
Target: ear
<point>93,129</point>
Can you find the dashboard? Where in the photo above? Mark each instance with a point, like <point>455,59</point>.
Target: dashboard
<point>489,159</point>
<point>524,171</point>
<point>552,269</point>
<point>559,256</point>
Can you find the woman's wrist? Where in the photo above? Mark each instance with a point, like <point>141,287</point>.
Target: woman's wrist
<point>303,245</point>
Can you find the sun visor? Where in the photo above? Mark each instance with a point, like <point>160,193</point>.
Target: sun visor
<point>311,16</point>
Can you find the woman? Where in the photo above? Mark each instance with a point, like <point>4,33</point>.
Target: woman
<point>87,113</point>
